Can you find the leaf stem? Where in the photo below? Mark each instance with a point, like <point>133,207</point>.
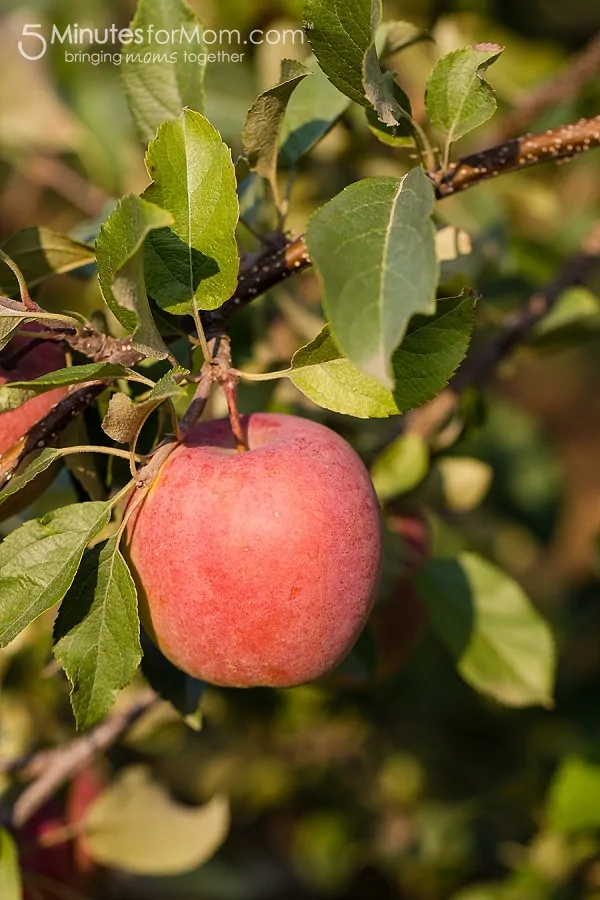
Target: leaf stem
<point>261,376</point>
<point>23,289</point>
<point>201,335</point>
<point>229,388</point>
<point>91,448</point>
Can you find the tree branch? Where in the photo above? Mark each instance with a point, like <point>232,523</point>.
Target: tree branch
<point>481,364</point>
<point>45,430</point>
<point>50,769</point>
<point>567,142</point>
<point>563,87</point>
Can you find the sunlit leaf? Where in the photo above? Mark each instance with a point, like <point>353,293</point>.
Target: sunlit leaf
<point>262,128</point>
<point>314,107</point>
<point>457,98</point>
<point>41,253</point>
<point>572,804</point>
<point>423,364</point>
<point>400,467</point>
<point>136,827</point>
<point>39,560</point>
<point>10,875</point>
<point>97,632</point>
<point>500,643</point>
<point>196,259</point>
<point>157,88</point>
<point>374,249</point>
<point>120,254</point>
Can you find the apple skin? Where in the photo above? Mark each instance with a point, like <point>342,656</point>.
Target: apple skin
<point>41,359</point>
<point>52,863</point>
<point>257,568</point>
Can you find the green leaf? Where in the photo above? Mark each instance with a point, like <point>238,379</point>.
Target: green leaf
<point>400,467</point>
<point>46,459</point>
<point>340,34</point>
<point>12,319</point>
<point>9,323</point>
<point>423,364</point>
<point>40,253</point>
<point>500,643</point>
<point>457,98</point>
<point>432,351</point>
<point>97,632</point>
<point>125,419</point>
<point>574,317</point>
<point>329,379</point>
<point>120,253</point>
<point>158,89</point>
<point>572,804</point>
<point>178,688</point>
<point>16,392</point>
<point>39,560</point>
<point>136,827</point>
<point>344,40</point>
<point>378,91</point>
<point>401,133</point>
<point>195,261</point>
<point>312,110</point>
<point>10,874</point>
<point>374,249</point>
<point>262,128</point>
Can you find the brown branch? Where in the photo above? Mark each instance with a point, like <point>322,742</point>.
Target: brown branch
<point>45,430</point>
<point>260,272</point>
<point>50,769</point>
<point>567,142</point>
<point>481,364</point>
<point>560,89</point>
<point>52,173</point>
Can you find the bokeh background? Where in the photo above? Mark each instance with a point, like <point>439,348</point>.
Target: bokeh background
<point>411,787</point>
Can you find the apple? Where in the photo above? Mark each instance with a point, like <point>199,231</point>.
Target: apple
<point>45,854</point>
<point>257,568</point>
<point>39,360</point>
<point>83,791</point>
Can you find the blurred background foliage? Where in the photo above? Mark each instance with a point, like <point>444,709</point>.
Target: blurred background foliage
<point>411,787</point>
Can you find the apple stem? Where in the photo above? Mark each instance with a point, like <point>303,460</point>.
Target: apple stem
<point>229,387</point>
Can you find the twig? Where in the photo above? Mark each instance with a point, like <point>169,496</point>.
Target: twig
<point>480,366</point>
<point>50,769</point>
<point>64,181</point>
<point>551,145</point>
<point>45,430</point>
<point>564,87</point>
<point>262,271</point>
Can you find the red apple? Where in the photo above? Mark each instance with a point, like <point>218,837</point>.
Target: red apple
<point>257,568</point>
<point>83,790</point>
<point>39,360</point>
<point>45,854</point>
